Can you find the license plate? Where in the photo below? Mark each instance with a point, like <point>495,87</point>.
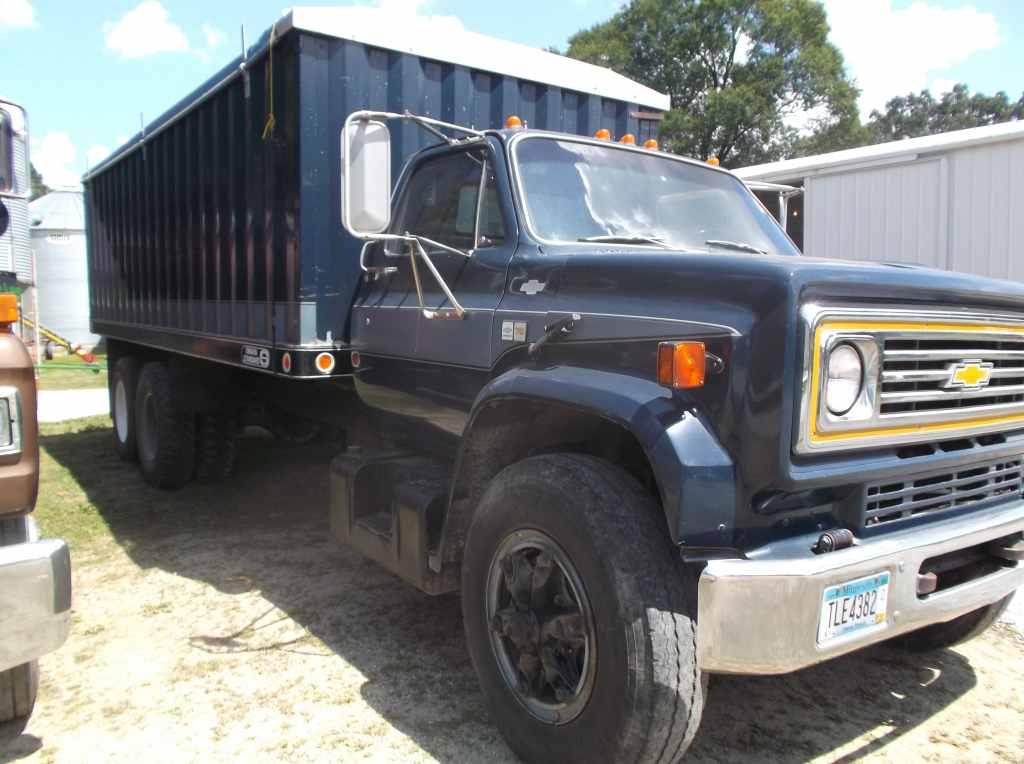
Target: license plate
<point>852,607</point>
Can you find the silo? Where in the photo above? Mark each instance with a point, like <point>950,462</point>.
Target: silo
<point>58,243</point>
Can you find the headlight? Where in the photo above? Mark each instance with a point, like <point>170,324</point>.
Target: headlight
<point>845,376</point>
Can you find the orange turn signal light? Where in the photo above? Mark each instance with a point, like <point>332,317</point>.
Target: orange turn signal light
<point>513,122</point>
<point>604,134</point>
<point>629,139</point>
<point>652,144</point>
<point>8,309</point>
<point>714,161</point>
<point>681,365</point>
<point>324,363</point>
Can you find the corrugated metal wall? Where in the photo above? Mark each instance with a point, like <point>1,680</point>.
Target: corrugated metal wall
<point>62,284</point>
<point>15,247</point>
<point>962,209</point>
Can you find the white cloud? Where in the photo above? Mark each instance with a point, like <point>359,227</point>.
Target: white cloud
<point>96,154</point>
<point>892,51</point>
<point>54,155</point>
<point>16,14</point>
<point>145,30</point>
<point>214,37</point>
<point>941,85</point>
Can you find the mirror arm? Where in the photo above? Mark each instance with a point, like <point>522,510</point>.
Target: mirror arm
<point>457,309</point>
<point>374,270</point>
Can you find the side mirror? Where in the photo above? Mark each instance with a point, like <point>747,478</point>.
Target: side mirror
<point>365,177</point>
<point>6,152</point>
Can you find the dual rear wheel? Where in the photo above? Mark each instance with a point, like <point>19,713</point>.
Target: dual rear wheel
<point>154,426</point>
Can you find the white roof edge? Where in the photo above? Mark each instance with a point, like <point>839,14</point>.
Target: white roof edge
<point>444,39</point>
<point>790,169</point>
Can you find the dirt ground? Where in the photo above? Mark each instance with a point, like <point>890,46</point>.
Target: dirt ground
<point>222,624</point>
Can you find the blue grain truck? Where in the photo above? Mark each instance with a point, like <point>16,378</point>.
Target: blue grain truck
<point>589,385</point>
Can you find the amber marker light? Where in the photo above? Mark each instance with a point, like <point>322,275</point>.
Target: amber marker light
<point>713,161</point>
<point>604,134</point>
<point>8,311</point>
<point>651,144</point>
<point>325,363</point>
<point>513,123</point>
<point>681,365</point>
<point>629,139</point>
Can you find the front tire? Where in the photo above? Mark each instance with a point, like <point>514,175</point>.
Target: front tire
<point>580,616</point>
<point>962,629</point>
<point>166,431</point>
<point>18,688</point>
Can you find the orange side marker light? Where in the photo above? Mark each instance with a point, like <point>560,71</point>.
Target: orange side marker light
<point>681,365</point>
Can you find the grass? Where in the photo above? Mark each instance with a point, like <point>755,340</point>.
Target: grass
<point>72,373</point>
<point>64,509</point>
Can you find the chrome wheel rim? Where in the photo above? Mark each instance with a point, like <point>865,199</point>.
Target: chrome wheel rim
<point>121,411</point>
<point>541,626</point>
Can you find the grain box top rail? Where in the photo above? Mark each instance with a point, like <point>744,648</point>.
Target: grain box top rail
<point>441,39</point>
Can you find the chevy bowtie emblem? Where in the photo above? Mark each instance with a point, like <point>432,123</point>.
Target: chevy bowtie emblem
<point>969,374</point>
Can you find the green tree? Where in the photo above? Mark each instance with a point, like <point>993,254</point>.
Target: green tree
<point>917,114</point>
<point>738,72</point>
<point>38,187</point>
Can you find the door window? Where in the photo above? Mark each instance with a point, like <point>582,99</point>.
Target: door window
<point>442,202</point>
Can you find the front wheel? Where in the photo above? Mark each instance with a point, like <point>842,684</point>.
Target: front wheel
<point>580,616</point>
<point>18,688</point>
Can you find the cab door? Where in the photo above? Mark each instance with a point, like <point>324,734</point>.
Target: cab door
<point>424,367</point>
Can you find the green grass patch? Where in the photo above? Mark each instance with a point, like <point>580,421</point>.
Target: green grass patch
<point>72,373</point>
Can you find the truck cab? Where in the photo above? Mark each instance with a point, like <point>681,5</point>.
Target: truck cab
<point>35,573</point>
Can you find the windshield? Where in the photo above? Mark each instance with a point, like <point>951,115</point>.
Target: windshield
<point>577,191</point>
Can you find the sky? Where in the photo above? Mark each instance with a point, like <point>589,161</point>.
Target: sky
<point>85,71</point>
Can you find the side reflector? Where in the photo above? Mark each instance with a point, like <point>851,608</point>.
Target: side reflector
<point>652,144</point>
<point>513,122</point>
<point>714,161</point>
<point>8,310</point>
<point>629,139</point>
<point>286,362</point>
<point>604,134</point>
<point>325,363</point>
<point>681,365</point>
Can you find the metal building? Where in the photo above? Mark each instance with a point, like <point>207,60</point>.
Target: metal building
<point>953,200</point>
<point>15,251</point>
<point>58,245</point>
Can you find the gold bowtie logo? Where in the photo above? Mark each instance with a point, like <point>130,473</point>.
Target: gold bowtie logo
<point>969,374</point>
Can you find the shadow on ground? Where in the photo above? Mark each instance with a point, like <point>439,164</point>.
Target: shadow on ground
<point>270,521</point>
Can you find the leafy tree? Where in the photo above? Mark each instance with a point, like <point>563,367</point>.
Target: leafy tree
<point>38,187</point>
<point>738,72</point>
<point>917,114</point>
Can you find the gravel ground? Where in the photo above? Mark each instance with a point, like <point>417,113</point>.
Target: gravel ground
<point>228,627</point>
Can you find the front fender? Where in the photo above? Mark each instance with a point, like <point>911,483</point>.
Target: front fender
<point>695,476</point>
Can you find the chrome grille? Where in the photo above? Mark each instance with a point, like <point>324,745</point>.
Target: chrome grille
<point>932,492</point>
<point>916,370</point>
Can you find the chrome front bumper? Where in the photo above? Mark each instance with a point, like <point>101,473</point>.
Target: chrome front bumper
<point>759,615</point>
<point>35,600</point>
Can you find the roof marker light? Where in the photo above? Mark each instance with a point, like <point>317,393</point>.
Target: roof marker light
<point>651,144</point>
<point>513,122</point>
<point>629,139</point>
<point>604,134</point>
<point>714,161</point>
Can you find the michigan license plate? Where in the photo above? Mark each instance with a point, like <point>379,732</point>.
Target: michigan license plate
<point>852,607</point>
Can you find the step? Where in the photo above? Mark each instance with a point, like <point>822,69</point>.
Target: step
<point>389,505</point>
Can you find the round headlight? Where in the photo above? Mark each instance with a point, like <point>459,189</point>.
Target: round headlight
<point>845,376</point>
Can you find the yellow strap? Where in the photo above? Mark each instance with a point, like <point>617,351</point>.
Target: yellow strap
<point>268,127</point>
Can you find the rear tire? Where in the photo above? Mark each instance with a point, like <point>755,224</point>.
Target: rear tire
<point>122,383</point>
<point>18,689</point>
<point>616,681</point>
<point>962,629</point>
<point>166,432</point>
<point>216,446</point>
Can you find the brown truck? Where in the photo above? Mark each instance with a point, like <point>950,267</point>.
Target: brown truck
<point>35,574</point>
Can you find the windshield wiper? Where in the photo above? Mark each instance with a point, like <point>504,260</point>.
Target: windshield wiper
<point>739,246</point>
<point>626,239</point>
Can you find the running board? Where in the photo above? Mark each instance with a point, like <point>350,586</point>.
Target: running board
<point>389,505</point>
